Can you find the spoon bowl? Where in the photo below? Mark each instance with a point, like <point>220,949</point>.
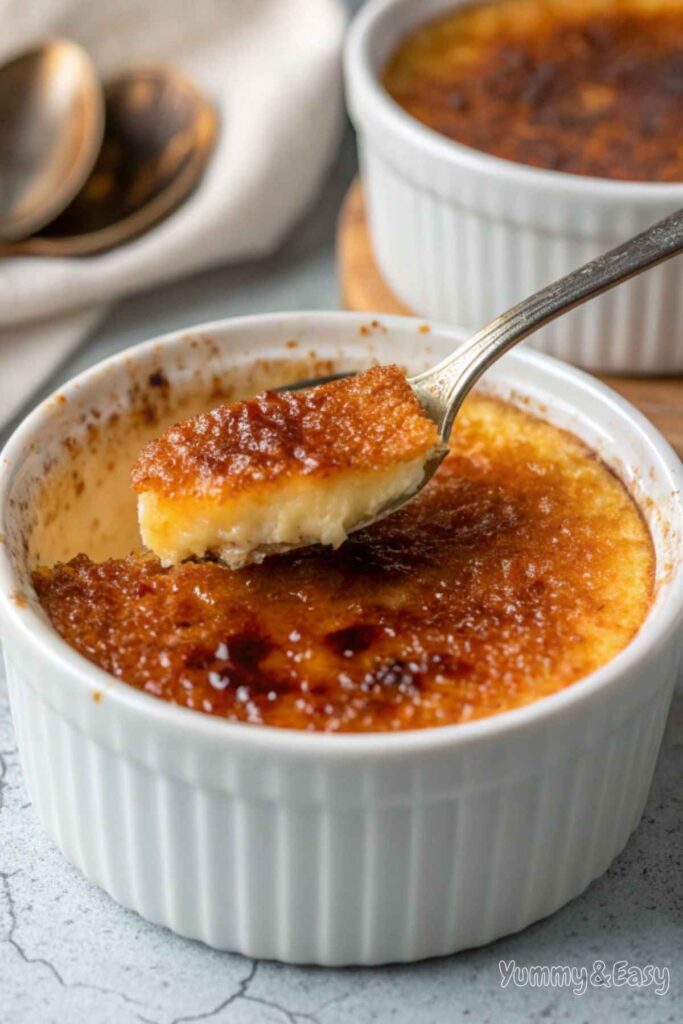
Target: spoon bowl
<point>51,123</point>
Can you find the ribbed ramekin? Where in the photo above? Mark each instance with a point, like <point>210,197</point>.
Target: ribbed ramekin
<point>460,235</point>
<point>338,849</point>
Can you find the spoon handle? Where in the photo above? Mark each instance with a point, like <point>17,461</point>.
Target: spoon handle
<point>444,387</point>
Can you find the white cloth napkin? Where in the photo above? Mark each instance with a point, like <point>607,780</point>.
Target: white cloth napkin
<point>272,69</point>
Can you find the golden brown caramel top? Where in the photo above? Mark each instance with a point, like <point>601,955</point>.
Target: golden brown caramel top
<point>521,567</point>
<point>365,422</point>
<point>583,86</point>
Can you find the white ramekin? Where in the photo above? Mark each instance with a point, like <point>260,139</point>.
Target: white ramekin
<point>460,235</point>
<point>338,849</point>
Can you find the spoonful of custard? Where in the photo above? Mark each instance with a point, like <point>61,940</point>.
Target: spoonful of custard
<point>310,465</point>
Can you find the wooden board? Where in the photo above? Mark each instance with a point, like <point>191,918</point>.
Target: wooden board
<point>363,289</point>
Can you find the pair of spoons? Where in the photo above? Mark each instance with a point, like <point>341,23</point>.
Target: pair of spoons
<point>84,169</point>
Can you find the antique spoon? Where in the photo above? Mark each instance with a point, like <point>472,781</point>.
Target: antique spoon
<point>442,389</point>
<point>51,122</point>
<point>159,134</point>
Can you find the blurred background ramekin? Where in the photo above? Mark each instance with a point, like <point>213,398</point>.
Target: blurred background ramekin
<point>460,235</point>
<point>326,849</point>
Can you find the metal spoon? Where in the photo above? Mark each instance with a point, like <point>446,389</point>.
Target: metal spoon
<point>159,133</point>
<point>442,389</point>
<point>51,121</point>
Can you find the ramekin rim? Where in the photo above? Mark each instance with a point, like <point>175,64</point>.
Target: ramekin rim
<point>362,76</point>
<point>51,647</point>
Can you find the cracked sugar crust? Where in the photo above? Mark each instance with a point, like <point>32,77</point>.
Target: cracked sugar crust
<point>521,567</point>
<point>366,422</point>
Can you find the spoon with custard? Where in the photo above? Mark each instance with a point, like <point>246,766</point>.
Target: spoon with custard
<point>315,462</point>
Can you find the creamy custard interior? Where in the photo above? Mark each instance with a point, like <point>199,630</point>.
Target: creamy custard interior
<point>523,566</point>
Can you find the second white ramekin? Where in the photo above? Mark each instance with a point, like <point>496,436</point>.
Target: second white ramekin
<point>334,849</point>
<point>460,235</point>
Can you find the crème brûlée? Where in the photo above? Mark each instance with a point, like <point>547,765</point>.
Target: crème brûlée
<point>521,567</point>
<point>283,470</point>
<point>587,87</point>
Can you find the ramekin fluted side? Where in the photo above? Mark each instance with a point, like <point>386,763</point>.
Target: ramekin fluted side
<point>462,265</point>
<point>370,864</point>
<point>461,236</point>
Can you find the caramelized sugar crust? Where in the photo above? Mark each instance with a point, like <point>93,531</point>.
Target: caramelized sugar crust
<point>521,567</point>
<point>584,86</point>
<point>366,422</point>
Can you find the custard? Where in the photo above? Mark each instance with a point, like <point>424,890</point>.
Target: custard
<point>523,566</point>
<point>283,470</point>
<point>588,87</point>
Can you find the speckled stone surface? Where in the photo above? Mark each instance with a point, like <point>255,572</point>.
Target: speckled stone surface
<point>70,955</point>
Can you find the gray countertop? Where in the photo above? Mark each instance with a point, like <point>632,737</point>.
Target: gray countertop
<point>70,955</point>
